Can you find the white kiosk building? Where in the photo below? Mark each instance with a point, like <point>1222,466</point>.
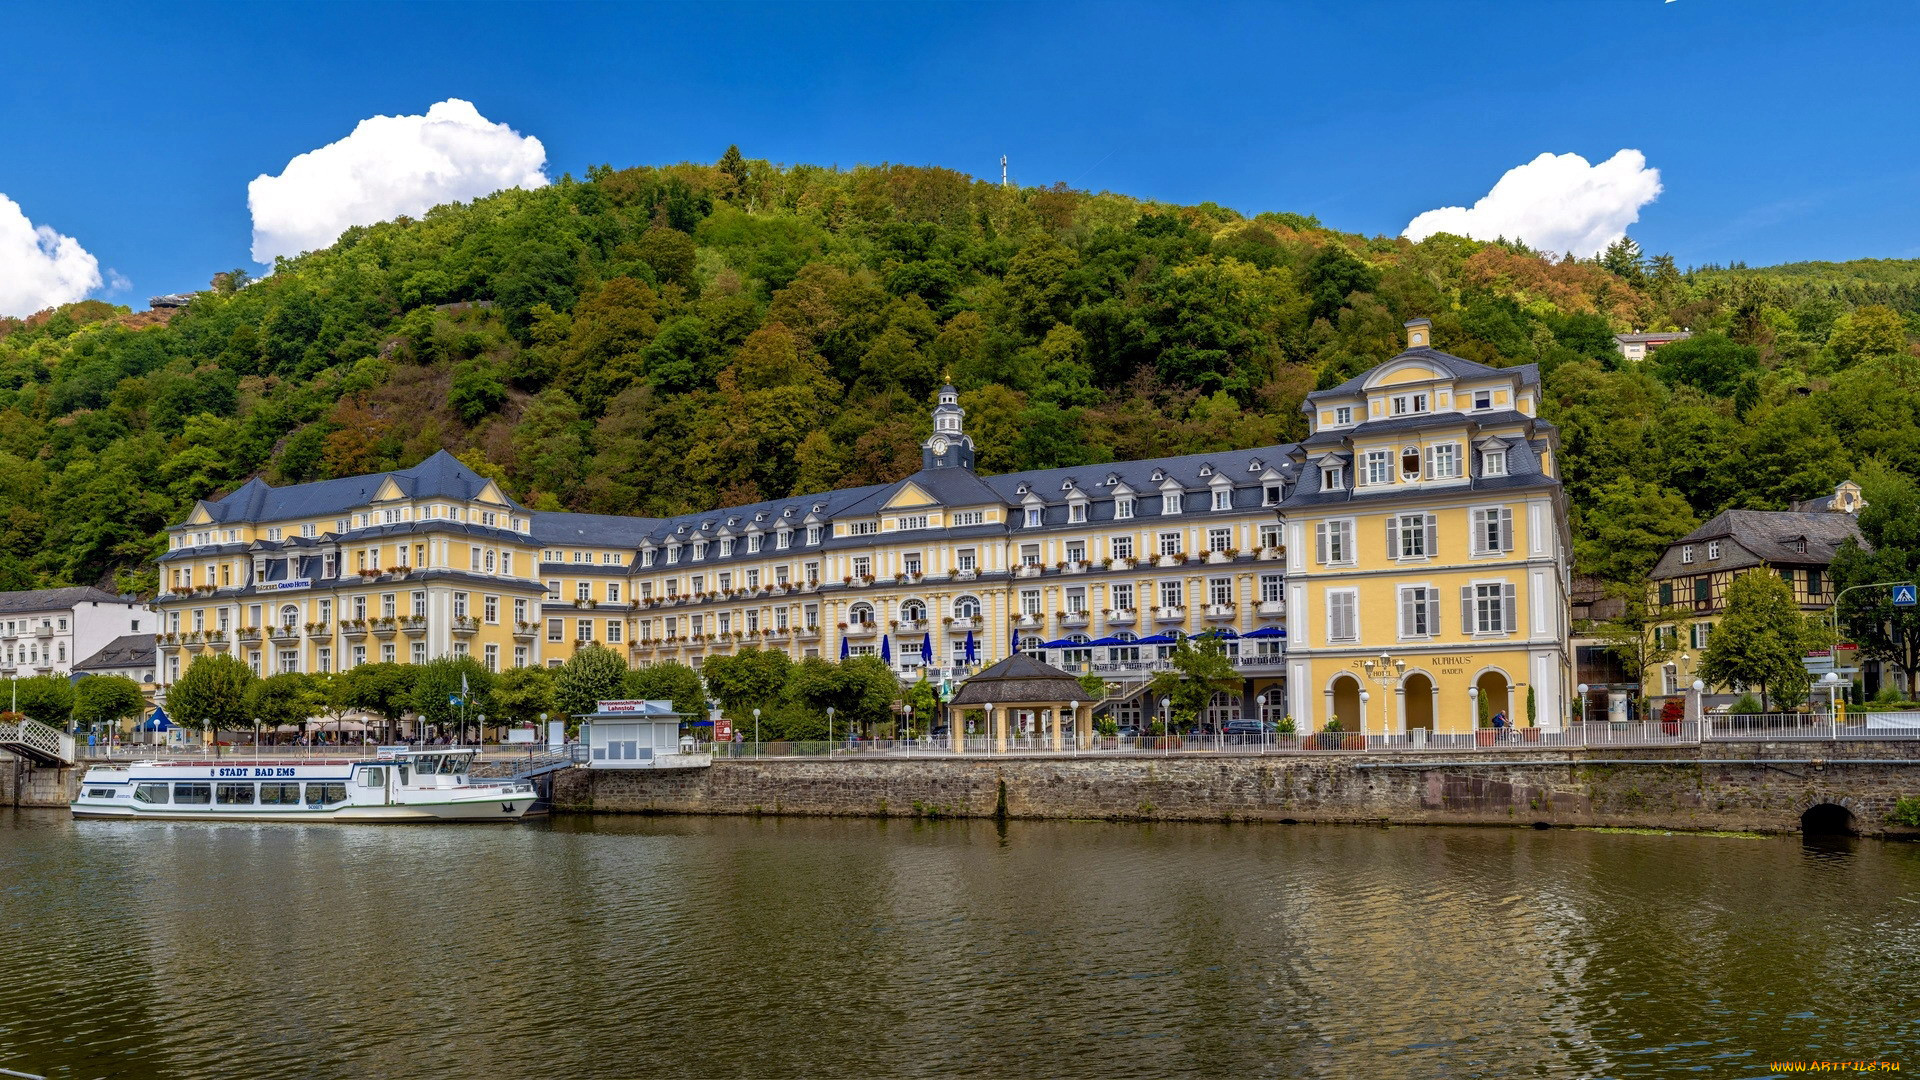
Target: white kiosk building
<point>638,735</point>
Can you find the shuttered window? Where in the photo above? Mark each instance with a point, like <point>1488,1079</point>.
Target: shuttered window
<point>1333,543</point>
<point>1343,621</point>
<point>1419,612</point>
<point>1492,530</point>
<point>1489,607</point>
<point>1412,536</point>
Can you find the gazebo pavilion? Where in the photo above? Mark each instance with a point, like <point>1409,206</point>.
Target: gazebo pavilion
<point>1022,682</point>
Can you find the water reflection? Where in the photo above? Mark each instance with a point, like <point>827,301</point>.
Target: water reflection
<point>609,947</point>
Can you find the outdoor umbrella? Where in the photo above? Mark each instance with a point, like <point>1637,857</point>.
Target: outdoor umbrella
<point>886,648</point>
<point>926,648</point>
<point>1267,632</point>
<point>1015,645</point>
<point>845,649</point>
<point>969,653</point>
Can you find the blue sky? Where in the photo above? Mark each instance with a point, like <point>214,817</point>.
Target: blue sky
<point>1781,131</point>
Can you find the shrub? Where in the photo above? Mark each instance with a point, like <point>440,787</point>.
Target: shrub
<point>1906,811</point>
<point>1748,705</point>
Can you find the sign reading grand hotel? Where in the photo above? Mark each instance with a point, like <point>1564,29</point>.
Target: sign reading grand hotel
<point>288,585</point>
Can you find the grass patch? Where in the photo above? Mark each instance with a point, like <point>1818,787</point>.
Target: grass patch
<point>1672,832</point>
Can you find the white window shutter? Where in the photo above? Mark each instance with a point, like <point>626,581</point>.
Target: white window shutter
<point>1506,528</point>
<point>1407,615</point>
<point>1320,543</point>
<point>1393,536</point>
<point>1466,609</point>
<point>1478,518</point>
<point>1345,529</point>
<point>1433,536</point>
<point>1512,618</point>
<point>1433,612</point>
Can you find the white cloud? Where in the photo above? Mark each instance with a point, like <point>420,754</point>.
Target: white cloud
<point>40,268</point>
<point>389,166</point>
<point>1555,203</point>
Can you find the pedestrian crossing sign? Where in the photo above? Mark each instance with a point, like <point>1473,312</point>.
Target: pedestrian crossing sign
<point>1903,596</point>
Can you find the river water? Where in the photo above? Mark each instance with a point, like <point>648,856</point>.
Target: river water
<point>662,947</point>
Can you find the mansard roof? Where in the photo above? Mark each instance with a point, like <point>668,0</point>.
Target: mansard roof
<point>1769,536</point>
<point>440,476</point>
<point>33,601</point>
<point>594,530</point>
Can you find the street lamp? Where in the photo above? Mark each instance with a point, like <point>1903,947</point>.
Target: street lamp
<point>829,731</point>
<point>756,734</point>
<point>1583,688</point>
<point>1388,672</point>
<point>1831,680</point>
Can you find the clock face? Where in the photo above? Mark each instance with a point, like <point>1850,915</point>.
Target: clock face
<point>939,444</point>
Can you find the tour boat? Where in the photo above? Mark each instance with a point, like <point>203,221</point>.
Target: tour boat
<point>405,786</point>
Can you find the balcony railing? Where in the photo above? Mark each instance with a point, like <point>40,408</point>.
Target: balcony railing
<point>1271,609</point>
<point>1122,617</point>
<point>1220,611</point>
<point>960,624</point>
<point>860,630</point>
<point>464,624</point>
<point>1027,621</point>
<point>1170,614</point>
<point>1074,619</point>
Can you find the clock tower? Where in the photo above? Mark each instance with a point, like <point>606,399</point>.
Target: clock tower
<point>949,447</point>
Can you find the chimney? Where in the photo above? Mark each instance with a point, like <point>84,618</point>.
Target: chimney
<point>1419,333</point>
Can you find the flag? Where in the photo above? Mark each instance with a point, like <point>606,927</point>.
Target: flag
<point>463,684</point>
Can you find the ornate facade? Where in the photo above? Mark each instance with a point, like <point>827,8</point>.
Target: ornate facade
<point>1101,567</point>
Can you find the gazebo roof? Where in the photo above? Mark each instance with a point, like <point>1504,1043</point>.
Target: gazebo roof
<point>1020,679</point>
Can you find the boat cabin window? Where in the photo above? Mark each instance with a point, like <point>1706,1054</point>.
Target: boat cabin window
<point>441,764</point>
<point>280,794</point>
<point>100,793</point>
<point>150,793</point>
<point>193,794</point>
<point>234,794</point>
<point>325,794</point>
<point>373,778</point>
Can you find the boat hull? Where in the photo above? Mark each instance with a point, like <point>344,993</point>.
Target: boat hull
<point>506,808</point>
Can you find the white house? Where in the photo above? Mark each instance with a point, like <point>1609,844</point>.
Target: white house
<point>48,631</point>
<point>638,735</point>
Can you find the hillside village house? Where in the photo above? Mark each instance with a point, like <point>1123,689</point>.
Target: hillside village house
<point>1690,580</point>
<point>49,631</point>
<point>1639,346</point>
<point>1099,567</point>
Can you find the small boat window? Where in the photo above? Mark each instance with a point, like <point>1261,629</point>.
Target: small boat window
<point>193,794</point>
<point>403,776</point>
<point>234,795</point>
<point>100,793</point>
<point>280,794</point>
<point>373,778</point>
<point>326,794</point>
<point>150,793</point>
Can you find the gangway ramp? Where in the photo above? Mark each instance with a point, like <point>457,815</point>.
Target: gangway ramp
<point>38,743</point>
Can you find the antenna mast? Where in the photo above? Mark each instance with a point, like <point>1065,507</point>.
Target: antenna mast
<point>1003,170</point>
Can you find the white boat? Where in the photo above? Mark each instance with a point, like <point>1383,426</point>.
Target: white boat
<point>407,786</point>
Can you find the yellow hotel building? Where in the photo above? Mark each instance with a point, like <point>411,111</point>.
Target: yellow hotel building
<point>1427,550</point>
<point>1098,568</point>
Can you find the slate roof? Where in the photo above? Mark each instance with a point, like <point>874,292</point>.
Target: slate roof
<point>36,600</point>
<point>594,530</point>
<point>441,475</point>
<point>1658,335</point>
<point>1761,536</point>
<point>1019,679</point>
<point>125,651</point>
<point>1456,366</point>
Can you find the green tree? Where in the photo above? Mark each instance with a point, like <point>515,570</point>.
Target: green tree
<point>105,700</point>
<point>522,695</point>
<point>1198,669</point>
<point>212,694</point>
<point>751,678</point>
<point>1623,533</point>
<point>437,688</point>
<point>287,698</point>
<point>382,689</point>
<point>668,681</point>
<point>593,674</point>
<point>1644,635</point>
<point>1890,527</point>
<point>1762,640</point>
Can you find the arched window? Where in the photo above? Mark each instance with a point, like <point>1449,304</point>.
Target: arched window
<point>1030,643</point>
<point>290,616</point>
<point>1078,639</point>
<point>913,609</point>
<point>966,608</point>
<point>860,613</point>
<point>490,560</point>
<point>1127,635</point>
<point>1410,462</point>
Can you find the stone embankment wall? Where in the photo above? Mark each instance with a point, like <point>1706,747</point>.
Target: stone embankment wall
<point>1668,789</point>
<point>24,785</point>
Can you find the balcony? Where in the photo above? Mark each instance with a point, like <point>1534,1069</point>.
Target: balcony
<point>1121,564</point>
<point>526,631</point>
<point>9,635</point>
<point>914,625</point>
<point>1221,612</point>
<point>1260,660</point>
<point>1271,553</point>
<point>1170,560</point>
<point>1074,620</point>
<point>464,624</point>
<point>414,624</point>
<point>218,640</point>
<point>247,633</point>
<point>1027,621</point>
<point>1122,616</point>
<point>45,630</point>
<point>961,624</point>
<point>1027,570</point>
<point>384,627</point>
<point>1271,609</point>
<point>859,630</point>
<point>285,633</point>
<point>319,629</point>
<point>1170,614</point>
<point>1074,566</point>
<point>806,633</point>
<point>353,629</point>
<point>1217,557</point>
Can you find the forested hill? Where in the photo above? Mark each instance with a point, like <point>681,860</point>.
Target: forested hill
<point>652,340</point>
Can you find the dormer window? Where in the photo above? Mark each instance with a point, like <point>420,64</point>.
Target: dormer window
<point>1406,404</point>
<point>1123,507</point>
<point>1077,512</point>
<point>1333,478</point>
<point>1271,496</point>
<point>699,550</point>
<point>1713,549</point>
<point>1493,463</point>
<point>1483,399</point>
<point>1158,476</point>
<point>1170,502</point>
<point>1223,498</point>
<point>1686,553</point>
<point>1033,517</point>
<point>1343,414</point>
<point>646,557</point>
<point>1206,470</point>
<point>813,534</point>
<point>783,539</point>
<point>726,548</point>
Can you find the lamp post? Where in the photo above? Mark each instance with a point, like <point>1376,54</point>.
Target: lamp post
<point>829,731</point>
<point>1582,690</point>
<point>906,731</point>
<point>1073,711</point>
<point>1387,671</point>
<point>1699,704</point>
<point>1831,680</point>
<point>756,734</point>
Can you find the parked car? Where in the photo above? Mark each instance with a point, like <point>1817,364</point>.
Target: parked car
<point>1130,731</point>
